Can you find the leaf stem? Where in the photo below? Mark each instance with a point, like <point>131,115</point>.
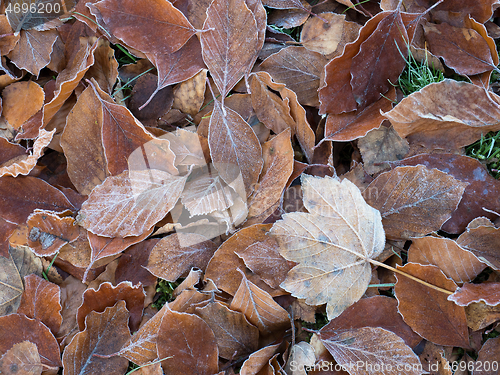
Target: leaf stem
<point>377,263</point>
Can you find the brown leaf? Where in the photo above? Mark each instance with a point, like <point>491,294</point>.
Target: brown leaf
<point>234,30</point>
<point>258,361</point>
<point>320,37</point>
<point>222,268</point>
<point>235,336</point>
<point>414,201</point>
<point>82,143</point>
<point>259,307</point>
<point>105,247</point>
<point>488,293</point>
<point>377,347</point>
<point>332,269</point>
<point>122,134</point>
<point>105,67</point>
<point>131,203</point>
<point>177,253</point>
<point>482,239</point>
<point>487,359</point>
<point>19,262</point>
<point>24,164</point>
<point>263,258</point>
<point>353,125</point>
<point>278,167</point>
<point>190,344</point>
<point>70,77</point>
<point>49,232</point>
<point>107,296</point>
<point>235,150</point>
<point>336,94</point>
<point>380,60</point>
<point>20,101</point>
<point>177,66</point>
<point>16,328</point>
<point>462,49</point>
<point>379,146</point>
<point>22,358</point>
<point>186,146</point>
<point>41,301</point>
<point>280,113</point>
<point>480,315</point>
<point>436,319</point>
<point>377,311</point>
<point>135,24</point>
<point>298,68</point>
<point>33,50</point>
<point>480,192</point>
<point>427,116</point>
<point>141,347</point>
<point>456,263</point>
<point>104,334</point>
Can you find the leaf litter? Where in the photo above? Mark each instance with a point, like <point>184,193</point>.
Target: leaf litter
<point>270,183</point>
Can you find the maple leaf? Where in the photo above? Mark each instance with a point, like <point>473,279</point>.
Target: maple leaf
<point>333,244</point>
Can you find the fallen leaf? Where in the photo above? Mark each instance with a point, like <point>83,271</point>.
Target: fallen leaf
<point>278,166</point>
<point>427,116</point>
<point>379,146</point>
<point>135,24</point>
<point>480,315</point>
<point>24,164</point>
<point>332,269</point>
<point>368,350</point>
<point>49,232</point>
<point>462,49</point>
<point>320,37</point>
<point>489,293</point>
<point>259,307</point>
<point>234,334</point>
<point>488,358</point>
<point>356,124</point>
<point>188,343</point>
<point>33,50</point>
<point>230,28</point>
<point>107,296</point>
<point>32,330</point>
<point>222,267</point>
<point>258,360</point>
<point>385,50</point>
<point>481,238</point>
<point>19,263</point>
<point>20,101</point>
<point>41,301</point>
<point>131,203</point>
<point>336,94</point>
<point>235,150</point>
<point>479,193</point>
<point>300,69</point>
<point>456,263</point>
<point>177,66</point>
<point>263,258</point>
<point>414,201</point>
<point>437,319</point>
<point>82,143</point>
<point>70,77</point>
<point>104,334</point>
<point>177,253</point>
<point>301,356</point>
<point>141,347</point>
<point>377,311</point>
<point>22,358</point>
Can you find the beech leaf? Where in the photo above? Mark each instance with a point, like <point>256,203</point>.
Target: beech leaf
<point>332,243</point>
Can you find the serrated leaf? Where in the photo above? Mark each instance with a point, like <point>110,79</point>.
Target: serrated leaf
<point>332,243</point>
